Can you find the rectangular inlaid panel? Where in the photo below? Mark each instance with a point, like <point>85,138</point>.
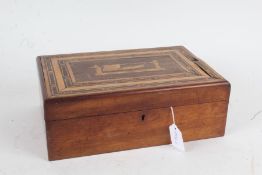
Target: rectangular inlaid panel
<point>103,72</point>
<point>120,68</point>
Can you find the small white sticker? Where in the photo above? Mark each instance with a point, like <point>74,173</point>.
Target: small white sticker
<point>176,137</point>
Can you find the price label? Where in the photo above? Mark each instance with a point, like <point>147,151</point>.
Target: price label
<point>176,135</point>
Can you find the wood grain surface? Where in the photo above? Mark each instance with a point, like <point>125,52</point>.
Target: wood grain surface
<point>122,131</point>
<point>116,103</point>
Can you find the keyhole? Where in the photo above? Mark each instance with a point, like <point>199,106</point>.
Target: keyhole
<point>143,117</point>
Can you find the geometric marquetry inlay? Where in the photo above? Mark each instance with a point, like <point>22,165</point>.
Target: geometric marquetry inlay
<point>103,72</point>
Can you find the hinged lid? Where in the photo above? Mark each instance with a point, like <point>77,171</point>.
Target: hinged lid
<point>70,78</point>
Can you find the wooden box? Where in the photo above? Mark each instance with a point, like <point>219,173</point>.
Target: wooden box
<point>118,100</point>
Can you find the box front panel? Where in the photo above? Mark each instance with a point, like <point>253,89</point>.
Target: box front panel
<point>122,131</point>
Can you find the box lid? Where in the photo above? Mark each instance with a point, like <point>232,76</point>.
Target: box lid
<point>69,78</point>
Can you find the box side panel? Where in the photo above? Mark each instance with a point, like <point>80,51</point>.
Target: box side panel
<point>202,121</point>
<point>41,77</point>
<point>82,107</point>
<point>123,131</point>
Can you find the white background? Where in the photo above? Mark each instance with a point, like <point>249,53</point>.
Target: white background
<point>226,34</point>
